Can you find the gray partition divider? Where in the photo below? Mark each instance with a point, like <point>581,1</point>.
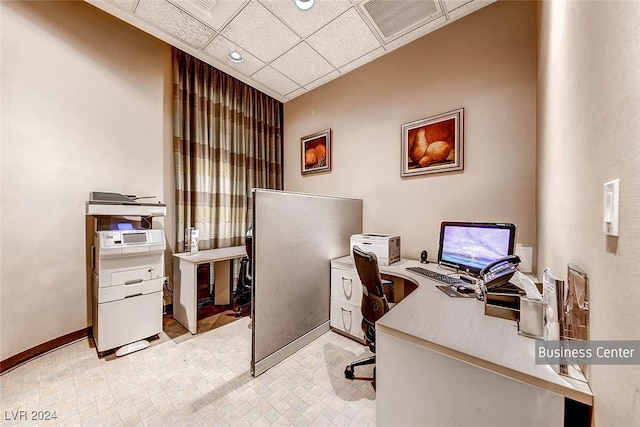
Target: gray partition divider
<point>295,236</point>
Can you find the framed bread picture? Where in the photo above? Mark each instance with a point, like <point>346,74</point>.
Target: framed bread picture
<point>316,152</point>
<point>433,145</point>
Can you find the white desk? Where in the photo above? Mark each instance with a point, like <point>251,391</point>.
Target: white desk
<point>441,361</point>
<point>185,290</point>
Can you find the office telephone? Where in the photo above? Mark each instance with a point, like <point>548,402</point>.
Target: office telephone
<point>499,271</point>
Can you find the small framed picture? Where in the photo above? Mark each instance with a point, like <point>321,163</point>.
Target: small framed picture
<point>316,152</point>
<point>433,145</point>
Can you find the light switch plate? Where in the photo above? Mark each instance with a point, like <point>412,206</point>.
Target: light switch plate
<point>611,208</point>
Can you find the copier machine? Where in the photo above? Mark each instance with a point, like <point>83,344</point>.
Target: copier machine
<point>128,279</point>
<point>127,287</point>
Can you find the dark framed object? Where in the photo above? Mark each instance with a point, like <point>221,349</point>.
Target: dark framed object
<point>434,144</point>
<point>471,246</point>
<point>316,152</point>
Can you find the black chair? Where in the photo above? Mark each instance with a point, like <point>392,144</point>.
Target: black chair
<point>374,305</point>
<point>242,294</point>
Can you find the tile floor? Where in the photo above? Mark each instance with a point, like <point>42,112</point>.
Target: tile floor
<point>201,380</point>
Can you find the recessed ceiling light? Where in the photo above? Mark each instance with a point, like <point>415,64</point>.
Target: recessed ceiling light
<point>304,4</point>
<point>235,56</point>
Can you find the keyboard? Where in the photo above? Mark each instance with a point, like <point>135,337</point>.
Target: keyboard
<point>443,278</point>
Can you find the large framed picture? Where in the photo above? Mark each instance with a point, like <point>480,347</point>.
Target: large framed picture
<point>316,152</point>
<point>433,145</point>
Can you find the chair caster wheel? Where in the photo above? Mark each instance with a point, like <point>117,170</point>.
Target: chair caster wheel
<point>348,373</point>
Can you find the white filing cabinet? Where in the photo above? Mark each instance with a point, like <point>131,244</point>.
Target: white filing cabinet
<point>346,297</point>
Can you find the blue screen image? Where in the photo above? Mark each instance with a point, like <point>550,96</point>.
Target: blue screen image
<point>474,246</point>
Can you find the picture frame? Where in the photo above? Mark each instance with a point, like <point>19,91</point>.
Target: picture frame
<point>433,145</point>
<point>316,152</point>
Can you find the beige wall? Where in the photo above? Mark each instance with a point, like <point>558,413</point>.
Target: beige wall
<point>86,103</point>
<point>588,133</point>
<point>485,63</point>
<point>86,106</point>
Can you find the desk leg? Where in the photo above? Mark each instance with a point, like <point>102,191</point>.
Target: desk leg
<point>185,297</point>
<point>224,276</point>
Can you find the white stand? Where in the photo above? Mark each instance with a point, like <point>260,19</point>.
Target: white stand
<point>130,348</point>
<point>185,289</point>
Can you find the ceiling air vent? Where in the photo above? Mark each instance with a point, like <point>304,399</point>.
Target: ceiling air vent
<point>392,18</point>
<point>214,13</point>
<point>197,8</point>
<point>206,5</point>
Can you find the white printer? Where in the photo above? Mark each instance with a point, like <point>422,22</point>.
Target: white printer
<point>127,288</point>
<point>385,246</point>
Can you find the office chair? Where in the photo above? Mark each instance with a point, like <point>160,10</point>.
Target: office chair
<point>242,294</point>
<point>374,305</point>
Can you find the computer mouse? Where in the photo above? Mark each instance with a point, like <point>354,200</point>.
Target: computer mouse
<point>465,289</point>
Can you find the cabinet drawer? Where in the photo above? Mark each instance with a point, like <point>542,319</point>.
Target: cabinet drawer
<point>125,321</point>
<point>345,285</point>
<point>113,293</point>
<point>130,277</point>
<point>347,318</point>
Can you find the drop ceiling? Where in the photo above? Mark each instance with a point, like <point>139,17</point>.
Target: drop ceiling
<point>287,51</point>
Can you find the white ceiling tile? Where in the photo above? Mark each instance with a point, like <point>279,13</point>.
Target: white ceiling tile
<point>274,80</point>
<point>344,39</point>
<point>472,6</point>
<point>127,5</point>
<point>336,34</point>
<point>417,33</point>
<point>449,5</point>
<point>306,22</point>
<point>302,64</point>
<point>296,93</point>
<point>362,60</point>
<point>259,32</point>
<point>175,21</point>
<point>322,80</point>
<point>220,48</point>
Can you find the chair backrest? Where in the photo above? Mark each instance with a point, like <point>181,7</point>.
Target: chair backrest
<point>248,243</point>
<point>374,303</point>
<point>244,275</point>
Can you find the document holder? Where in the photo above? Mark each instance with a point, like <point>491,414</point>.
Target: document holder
<point>531,323</point>
<point>503,301</point>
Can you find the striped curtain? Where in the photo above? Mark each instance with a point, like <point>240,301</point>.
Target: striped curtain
<point>227,140</point>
